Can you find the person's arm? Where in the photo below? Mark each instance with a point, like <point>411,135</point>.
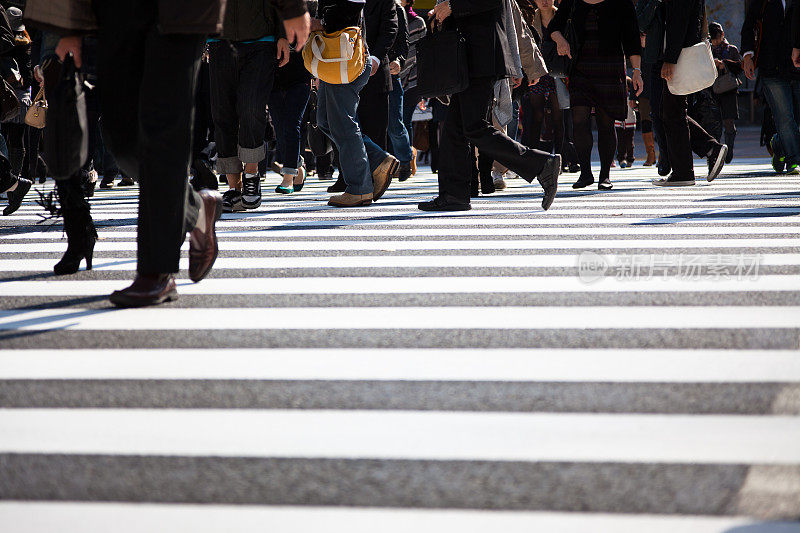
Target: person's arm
<point>296,21</point>
<point>387,31</point>
<point>559,22</point>
<point>734,63</point>
<point>399,51</point>
<point>532,61</point>
<point>677,26</point>
<point>646,13</point>
<point>631,37</point>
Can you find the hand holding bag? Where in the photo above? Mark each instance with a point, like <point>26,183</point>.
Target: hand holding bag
<point>695,70</point>
<point>442,64</point>
<point>36,114</point>
<point>561,66</point>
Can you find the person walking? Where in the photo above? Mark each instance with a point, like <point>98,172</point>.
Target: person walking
<point>365,169</point>
<point>767,43</point>
<point>684,28</point>
<point>242,68</point>
<point>482,24</point>
<point>609,33</point>
<point>399,137</point>
<point>287,105</point>
<point>145,46</point>
<point>729,66</point>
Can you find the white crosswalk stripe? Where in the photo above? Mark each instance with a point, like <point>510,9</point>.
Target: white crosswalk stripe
<point>627,361</point>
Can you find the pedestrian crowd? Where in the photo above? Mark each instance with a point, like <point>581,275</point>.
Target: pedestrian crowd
<point>187,97</point>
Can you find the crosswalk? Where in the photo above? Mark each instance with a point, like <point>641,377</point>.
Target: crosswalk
<point>628,361</point>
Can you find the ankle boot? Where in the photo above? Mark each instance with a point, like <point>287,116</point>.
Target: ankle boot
<point>78,225</point>
<point>650,146</point>
<point>730,140</point>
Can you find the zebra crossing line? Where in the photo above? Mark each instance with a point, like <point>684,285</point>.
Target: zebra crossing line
<point>384,369</point>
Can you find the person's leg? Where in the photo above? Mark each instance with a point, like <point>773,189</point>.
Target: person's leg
<point>289,134</point>
<point>558,124</point>
<point>398,135</point>
<point>337,117</point>
<point>676,129</point>
<point>223,84</point>
<point>606,146</point>
<point>257,64</point>
<point>168,207</point>
<point>410,101</point>
<point>534,135</point>
<point>584,142</point>
<point>455,163</point>
<point>373,115</point>
<point>659,136</point>
<point>779,96</point>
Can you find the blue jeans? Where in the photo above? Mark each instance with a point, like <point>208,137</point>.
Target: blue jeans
<point>398,135</point>
<point>287,106</point>
<point>783,97</point>
<point>337,106</point>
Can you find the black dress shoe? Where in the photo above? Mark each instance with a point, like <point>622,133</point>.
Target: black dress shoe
<point>716,161</point>
<point>585,180</point>
<point>437,204</point>
<point>203,247</point>
<point>16,196</point>
<point>146,289</point>
<point>548,179</point>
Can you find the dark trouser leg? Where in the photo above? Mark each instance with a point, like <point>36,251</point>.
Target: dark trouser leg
<point>293,100</point>
<point>373,116</point>
<point>223,80</point>
<point>702,142</point>
<point>410,101</point>
<point>582,134</point>
<point>606,142</point>
<point>151,126</point>
<point>558,124</point>
<point>676,128</point>
<point>534,135</point>
<point>656,92</point>
<point>256,71</point>
<point>434,135</point>
<point>468,121</point>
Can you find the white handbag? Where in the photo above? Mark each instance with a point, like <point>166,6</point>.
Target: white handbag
<point>695,70</point>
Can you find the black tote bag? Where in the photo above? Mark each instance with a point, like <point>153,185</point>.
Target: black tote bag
<point>561,66</point>
<point>442,64</point>
<point>66,139</point>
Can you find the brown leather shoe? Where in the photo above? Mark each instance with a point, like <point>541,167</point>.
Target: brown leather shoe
<point>350,200</point>
<point>382,177</point>
<point>203,246</point>
<point>147,289</point>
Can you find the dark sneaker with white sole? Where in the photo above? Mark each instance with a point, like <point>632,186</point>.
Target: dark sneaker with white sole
<point>716,161</point>
<point>673,182</point>
<point>232,201</point>
<point>251,191</point>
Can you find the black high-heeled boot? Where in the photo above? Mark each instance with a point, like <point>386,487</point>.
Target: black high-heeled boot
<point>78,225</point>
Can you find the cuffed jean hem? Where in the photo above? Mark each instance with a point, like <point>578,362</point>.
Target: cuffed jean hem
<point>288,171</point>
<point>229,165</point>
<point>252,155</point>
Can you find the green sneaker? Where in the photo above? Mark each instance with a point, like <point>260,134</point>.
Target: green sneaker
<point>793,169</point>
<point>778,160</point>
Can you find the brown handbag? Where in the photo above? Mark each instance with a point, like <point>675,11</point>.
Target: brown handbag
<point>35,115</point>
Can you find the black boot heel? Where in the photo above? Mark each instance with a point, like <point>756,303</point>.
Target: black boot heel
<point>78,225</point>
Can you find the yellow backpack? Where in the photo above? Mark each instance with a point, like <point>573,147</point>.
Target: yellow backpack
<point>337,57</point>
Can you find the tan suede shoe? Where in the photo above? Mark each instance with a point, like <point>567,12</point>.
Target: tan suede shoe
<point>350,200</point>
<point>382,177</point>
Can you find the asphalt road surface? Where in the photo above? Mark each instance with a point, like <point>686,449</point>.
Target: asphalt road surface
<point>625,362</point>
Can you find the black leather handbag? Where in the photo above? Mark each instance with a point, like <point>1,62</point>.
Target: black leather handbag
<point>318,142</point>
<point>66,143</point>
<point>442,64</point>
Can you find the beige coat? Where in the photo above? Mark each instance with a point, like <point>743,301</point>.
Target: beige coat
<point>532,61</point>
<point>174,16</point>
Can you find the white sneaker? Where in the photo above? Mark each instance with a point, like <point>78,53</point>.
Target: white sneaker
<point>497,179</point>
